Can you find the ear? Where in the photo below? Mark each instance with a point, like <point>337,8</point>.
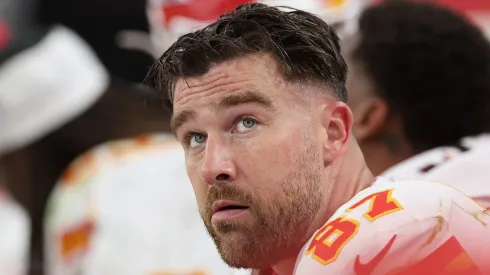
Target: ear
<point>337,122</point>
<point>369,117</point>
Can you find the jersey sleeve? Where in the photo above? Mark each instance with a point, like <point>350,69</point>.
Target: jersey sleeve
<point>454,239</point>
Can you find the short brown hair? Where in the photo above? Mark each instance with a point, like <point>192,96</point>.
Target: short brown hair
<point>305,47</point>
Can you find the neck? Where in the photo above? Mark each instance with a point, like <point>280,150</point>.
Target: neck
<point>284,267</point>
<point>345,178</point>
<point>353,176</point>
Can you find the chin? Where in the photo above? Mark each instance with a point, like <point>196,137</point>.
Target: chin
<point>243,263</point>
<point>238,250</point>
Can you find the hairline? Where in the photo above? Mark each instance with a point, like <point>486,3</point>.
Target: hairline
<point>312,81</point>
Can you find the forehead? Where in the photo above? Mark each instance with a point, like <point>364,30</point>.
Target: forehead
<point>258,72</point>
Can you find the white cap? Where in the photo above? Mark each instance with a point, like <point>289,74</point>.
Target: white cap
<point>46,86</point>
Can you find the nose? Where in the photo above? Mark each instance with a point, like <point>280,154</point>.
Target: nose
<point>218,166</point>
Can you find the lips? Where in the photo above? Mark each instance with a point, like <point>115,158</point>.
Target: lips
<point>228,211</point>
<point>224,205</point>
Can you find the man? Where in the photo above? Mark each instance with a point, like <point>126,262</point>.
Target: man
<point>419,87</point>
<point>38,67</point>
<point>259,107</point>
<point>79,225</point>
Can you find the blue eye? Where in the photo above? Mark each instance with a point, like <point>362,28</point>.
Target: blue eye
<point>246,124</point>
<point>196,140</point>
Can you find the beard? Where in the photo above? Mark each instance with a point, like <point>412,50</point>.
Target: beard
<point>280,221</point>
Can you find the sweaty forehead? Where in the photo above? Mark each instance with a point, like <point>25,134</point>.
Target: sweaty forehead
<point>256,71</point>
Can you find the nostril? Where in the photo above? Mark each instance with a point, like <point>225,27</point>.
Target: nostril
<point>222,177</point>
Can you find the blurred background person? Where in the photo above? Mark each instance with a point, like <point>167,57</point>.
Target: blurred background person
<point>106,25</point>
<point>14,234</point>
<point>169,19</point>
<point>14,221</point>
<point>475,10</point>
<point>38,67</point>
<point>419,87</point>
<point>56,103</point>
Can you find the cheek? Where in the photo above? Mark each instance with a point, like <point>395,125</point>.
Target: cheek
<point>286,146</point>
<point>199,186</point>
<point>269,159</point>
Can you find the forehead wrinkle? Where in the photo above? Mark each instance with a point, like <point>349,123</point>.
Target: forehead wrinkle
<point>199,83</point>
<point>212,89</point>
<point>220,73</point>
<point>229,70</point>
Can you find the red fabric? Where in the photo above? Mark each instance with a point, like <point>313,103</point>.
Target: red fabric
<point>265,271</point>
<point>467,5</point>
<point>461,5</point>
<point>201,10</point>
<point>4,35</point>
<point>438,262</point>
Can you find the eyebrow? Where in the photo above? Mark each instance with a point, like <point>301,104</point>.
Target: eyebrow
<point>180,119</point>
<point>248,97</point>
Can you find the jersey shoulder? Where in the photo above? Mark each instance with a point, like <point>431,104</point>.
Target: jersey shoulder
<point>369,221</point>
<point>399,201</point>
<point>468,172</point>
<point>464,167</point>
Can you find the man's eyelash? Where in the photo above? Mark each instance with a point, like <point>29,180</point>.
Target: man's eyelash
<point>245,118</point>
<point>187,138</point>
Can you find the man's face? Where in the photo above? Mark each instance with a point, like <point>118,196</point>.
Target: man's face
<point>253,155</point>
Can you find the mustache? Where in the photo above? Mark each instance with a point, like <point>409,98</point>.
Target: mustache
<point>227,192</point>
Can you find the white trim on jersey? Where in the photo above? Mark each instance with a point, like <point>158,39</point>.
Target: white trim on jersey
<point>467,170</point>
